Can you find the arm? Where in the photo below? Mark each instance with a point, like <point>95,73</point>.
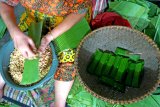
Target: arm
<point>21,41</point>
<point>68,22</point>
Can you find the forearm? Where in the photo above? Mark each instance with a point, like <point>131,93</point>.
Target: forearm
<point>7,14</point>
<point>68,22</point>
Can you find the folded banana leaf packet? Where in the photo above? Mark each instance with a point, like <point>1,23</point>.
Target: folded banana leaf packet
<point>117,69</point>
<point>94,60</point>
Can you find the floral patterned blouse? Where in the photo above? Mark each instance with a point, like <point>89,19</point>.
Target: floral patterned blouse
<point>53,7</point>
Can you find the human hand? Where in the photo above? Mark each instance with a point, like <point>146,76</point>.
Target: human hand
<point>24,44</point>
<point>45,42</point>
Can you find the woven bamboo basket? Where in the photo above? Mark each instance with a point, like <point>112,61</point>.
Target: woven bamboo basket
<point>109,38</point>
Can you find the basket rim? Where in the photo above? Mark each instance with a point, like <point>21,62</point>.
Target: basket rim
<point>147,38</point>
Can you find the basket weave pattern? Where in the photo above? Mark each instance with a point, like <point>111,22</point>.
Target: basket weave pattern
<point>109,38</point>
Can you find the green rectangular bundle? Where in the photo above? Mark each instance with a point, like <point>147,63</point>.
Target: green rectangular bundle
<point>127,53</point>
<point>122,52</point>
<point>130,73</point>
<point>95,58</point>
<point>116,85</point>
<point>138,74</point>
<point>101,63</point>
<point>115,66</point>
<point>134,57</point>
<point>109,65</point>
<point>122,69</point>
<point>105,64</point>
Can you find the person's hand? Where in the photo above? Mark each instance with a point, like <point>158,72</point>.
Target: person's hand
<point>45,42</point>
<point>24,44</point>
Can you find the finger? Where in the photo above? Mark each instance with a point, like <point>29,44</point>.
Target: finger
<point>24,53</point>
<point>43,45</point>
<point>30,53</point>
<point>31,43</point>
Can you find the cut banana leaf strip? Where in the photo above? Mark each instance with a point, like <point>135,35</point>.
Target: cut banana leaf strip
<point>122,51</point>
<point>134,57</point>
<point>35,32</point>
<point>31,72</point>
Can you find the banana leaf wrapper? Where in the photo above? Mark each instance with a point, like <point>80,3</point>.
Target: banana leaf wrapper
<point>94,61</point>
<point>130,73</point>
<point>109,65</point>
<point>127,53</point>
<point>122,70</point>
<point>104,73</point>
<point>101,63</point>
<point>138,74</point>
<point>134,57</point>
<point>115,66</point>
<point>122,51</point>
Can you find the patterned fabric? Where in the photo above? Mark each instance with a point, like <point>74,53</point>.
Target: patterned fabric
<point>57,7</point>
<point>19,96</point>
<point>50,21</point>
<point>42,96</point>
<point>65,72</point>
<point>66,56</point>
<point>10,2</point>
<point>53,7</point>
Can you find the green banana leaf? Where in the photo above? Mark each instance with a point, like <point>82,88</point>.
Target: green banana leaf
<point>2,28</point>
<point>35,32</point>
<point>153,30</point>
<point>136,14</point>
<point>31,67</point>
<point>31,71</point>
<point>79,97</point>
<point>142,15</point>
<point>72,37</point>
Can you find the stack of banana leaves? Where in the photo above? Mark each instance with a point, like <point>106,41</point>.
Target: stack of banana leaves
<point>142,15</point>
<point>119,69</point>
